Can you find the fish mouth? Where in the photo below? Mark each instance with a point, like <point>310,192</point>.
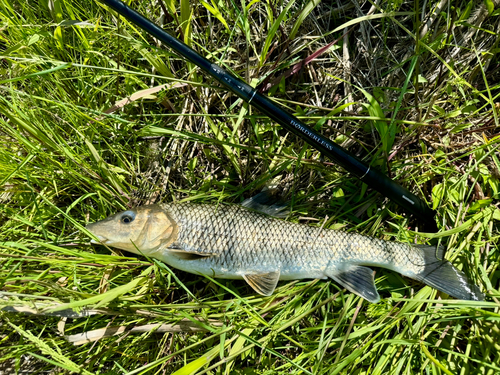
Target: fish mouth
<point>102,240</point>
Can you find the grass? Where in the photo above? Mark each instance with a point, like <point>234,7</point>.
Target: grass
<point>412,90</point>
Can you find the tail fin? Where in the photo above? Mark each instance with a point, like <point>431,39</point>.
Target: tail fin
<point>442,275</point>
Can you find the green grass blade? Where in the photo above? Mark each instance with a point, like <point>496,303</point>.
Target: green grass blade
<point>272,32</point>
<point>302,16</point>
<point>194,366</point>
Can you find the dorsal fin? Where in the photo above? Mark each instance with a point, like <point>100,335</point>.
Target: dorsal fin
<point>267,203</point>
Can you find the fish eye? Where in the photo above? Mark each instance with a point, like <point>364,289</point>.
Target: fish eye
<point>127,217</point>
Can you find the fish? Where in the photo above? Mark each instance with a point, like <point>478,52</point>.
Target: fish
<point>245,242</point>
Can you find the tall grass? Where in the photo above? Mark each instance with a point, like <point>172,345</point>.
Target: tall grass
<point>411,88</point>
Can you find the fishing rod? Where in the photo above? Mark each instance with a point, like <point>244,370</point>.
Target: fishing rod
<point>373,178</point>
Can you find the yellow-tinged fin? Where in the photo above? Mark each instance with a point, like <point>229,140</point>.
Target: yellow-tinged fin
<point>189,255</point>
<point>263,283</point>
<point>358,280</point>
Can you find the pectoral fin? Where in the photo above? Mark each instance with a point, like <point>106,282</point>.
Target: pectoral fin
<point>263,283</point>
<point>188,255</point>
<point>358,280</point>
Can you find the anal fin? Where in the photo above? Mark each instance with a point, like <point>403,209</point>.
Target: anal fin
<point>263,283</point>
<point>358,280</point>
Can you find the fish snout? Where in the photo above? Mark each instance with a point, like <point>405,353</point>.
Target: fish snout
<point>91,229</point>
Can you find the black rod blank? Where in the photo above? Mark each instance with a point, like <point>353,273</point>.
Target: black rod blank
<point>344,158</point>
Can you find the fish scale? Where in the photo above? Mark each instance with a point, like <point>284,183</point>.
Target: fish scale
<point>233,242</point>
<point>245,240</point>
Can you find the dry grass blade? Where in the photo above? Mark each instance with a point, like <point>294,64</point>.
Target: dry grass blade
<point>98,334</point>
<point>142,94</point>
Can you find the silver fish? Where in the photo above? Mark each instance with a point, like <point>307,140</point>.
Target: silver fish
<point>233,242</point>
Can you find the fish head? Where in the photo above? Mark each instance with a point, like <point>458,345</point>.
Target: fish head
<point>141,230</point>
